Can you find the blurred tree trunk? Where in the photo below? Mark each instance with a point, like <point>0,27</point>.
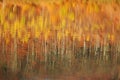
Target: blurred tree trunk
<point>14,66</point>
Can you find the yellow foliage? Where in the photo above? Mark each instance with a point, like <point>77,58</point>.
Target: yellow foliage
<point>66,33</point>
<point>86,28</point>
<point>71,16</point>
<point>19,34</point>
<point>37,34</point>
<point>40,20</point>
<point>96,8</point>
<point>23,20</point>
<point>92,8</point>
<point>11,15</point>
<point>37,31</point>
<point>33,22</point>
<point>25,38</point>
<point>75,35</point>
<point>59,35</point>
<point>42,23</point>
<point>63,11</point>
<point>112,37</point>
<point>88,38</point>
<point>46,34</point>
<point>108,36</point>
<point>89,8</point>
<point>6,26</point>
<point>63,24</point>
<point>95,27</point>
<point>2,17</point>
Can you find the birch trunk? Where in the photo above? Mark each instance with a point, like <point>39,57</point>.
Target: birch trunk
<point>15,55</point>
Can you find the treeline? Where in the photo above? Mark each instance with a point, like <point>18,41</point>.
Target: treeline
<point>58,34</point>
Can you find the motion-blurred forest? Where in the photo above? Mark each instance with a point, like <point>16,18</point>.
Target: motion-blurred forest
<point>59,39</point>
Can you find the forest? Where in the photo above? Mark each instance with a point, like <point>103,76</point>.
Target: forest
<point>59,39</point>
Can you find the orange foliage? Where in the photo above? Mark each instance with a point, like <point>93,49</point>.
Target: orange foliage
<point>46,17</point>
